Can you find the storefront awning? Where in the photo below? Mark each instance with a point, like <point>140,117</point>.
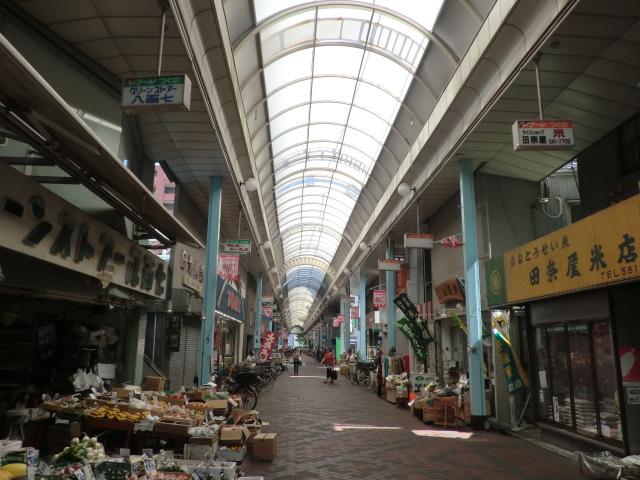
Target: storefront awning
<point>31,108</point>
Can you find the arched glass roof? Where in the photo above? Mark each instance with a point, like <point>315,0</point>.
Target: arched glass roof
<point>335,75</point>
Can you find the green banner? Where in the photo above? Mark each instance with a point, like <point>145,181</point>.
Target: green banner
<point>516,376</point>
<point>496,284</point>
<point>418,326</point>
<point>420,348</point>
<point>404,303</point>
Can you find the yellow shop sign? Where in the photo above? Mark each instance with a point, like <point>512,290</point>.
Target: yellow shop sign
<point>597,250</point>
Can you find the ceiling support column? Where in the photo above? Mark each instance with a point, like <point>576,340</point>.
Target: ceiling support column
<point>344,327</point>
<point>258,315</point>
<point>363,316</point>
<point>472,291</point>
<point>207,332</point>
<point>391,295</point>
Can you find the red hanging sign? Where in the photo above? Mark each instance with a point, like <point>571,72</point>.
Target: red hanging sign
<point>228,267</point>
<point>355,313</point>
<point>379,298</point>
<point>266,348</point>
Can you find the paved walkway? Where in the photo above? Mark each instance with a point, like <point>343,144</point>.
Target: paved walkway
<point>343,432</point>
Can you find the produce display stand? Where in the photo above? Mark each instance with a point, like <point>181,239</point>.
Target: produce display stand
<point>95,426</point>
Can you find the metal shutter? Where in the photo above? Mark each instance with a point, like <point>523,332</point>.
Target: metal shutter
<point>184,363</point>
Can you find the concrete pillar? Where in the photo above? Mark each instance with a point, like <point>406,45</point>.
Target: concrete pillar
<point>472,291</point>
<point>258,320</point>
<point>391,294</point>
<point>207,332</point>
<point>345,333</point>
<point>363,316</point>
<point>136,330</point>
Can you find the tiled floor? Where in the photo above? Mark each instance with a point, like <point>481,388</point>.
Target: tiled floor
<point>343,432</point>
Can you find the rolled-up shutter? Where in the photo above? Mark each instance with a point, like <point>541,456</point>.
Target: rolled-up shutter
<point>184,363</point>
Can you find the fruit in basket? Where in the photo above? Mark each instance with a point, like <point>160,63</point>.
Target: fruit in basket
<point>16,470</point>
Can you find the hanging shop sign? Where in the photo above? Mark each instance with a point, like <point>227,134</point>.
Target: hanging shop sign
<point>166,93</point>
<point>389,265</point>
<point>543,135</point>
<point>379,298</point>
<point>239,246</point>
<point>402,279</point>
<point>267,312</point>
<point>268,299</point>
<point>598,250</point>
<point>228,267</point>
<point>340,318</point>
<point>449,291</point>
<point>418,240</point>
<point>230,300</point>
<point>355,313</point>
<point>191,268</point>
<point>336,322</point>
<point>37,223</point>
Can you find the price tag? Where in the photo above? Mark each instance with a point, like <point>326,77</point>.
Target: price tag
<point>147,452</point>
<point>79,474</point>
<point>149,466</point>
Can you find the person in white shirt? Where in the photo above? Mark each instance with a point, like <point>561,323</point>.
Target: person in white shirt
<point>352,363</point>
<point>250,361</point>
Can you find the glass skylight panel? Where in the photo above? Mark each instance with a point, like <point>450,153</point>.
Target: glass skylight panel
<point>325,131</point>
<point>288,120</point>
<point>294,94</point>
<point>334,60</point>
<point>283,70</point>
<point>372,98</point>
<point>323,147</point>
<point>288,139</point>
<point>333,89</point>
<point>363,119</point>
<point>386,73</point>
<point>329,112</point>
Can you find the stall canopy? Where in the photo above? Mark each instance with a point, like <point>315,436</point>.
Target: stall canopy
<point>32,110</point>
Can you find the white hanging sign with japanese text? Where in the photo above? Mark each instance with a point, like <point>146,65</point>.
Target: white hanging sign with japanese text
<point>166,93</point>
<point>543,135</point>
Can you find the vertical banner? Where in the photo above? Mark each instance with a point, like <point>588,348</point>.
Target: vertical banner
<point>419,347</point>
<point>418,326</point>
<point>267,346</point>
<point>513,371</point>
<point>228,267</point>
<point>379,298</point>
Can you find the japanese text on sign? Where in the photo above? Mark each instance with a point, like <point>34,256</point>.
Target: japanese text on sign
<point>167,92</point>
<point>228,267</point>
<point>267,346</point>
<point>599,249</point>
<point>379,298</point>
<point>35,222</point>
<point>543,135</point>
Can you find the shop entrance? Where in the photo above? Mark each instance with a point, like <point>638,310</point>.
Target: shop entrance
<point>577,380</point>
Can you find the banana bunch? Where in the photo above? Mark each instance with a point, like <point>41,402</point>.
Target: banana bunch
<point>114,413</point>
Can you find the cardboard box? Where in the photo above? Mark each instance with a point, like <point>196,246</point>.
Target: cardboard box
<point>200,452</point>
<point>203,440</point>
<point>154,384</point>
<point>227,455</point>
<point>391,395</point>
<point>265,446</point>
<point>234,435</point>
<point>218,405</point>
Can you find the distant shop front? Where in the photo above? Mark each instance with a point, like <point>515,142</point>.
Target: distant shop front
<point>579,289</point>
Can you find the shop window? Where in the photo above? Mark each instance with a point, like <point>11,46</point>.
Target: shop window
<point>577,386</point>
<point>169,189</point>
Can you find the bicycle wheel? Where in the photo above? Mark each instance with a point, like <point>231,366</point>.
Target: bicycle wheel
<point>249,397</point>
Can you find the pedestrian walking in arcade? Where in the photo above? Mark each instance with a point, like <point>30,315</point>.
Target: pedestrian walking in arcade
<point>296,361</point>
<point>330,362</point>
